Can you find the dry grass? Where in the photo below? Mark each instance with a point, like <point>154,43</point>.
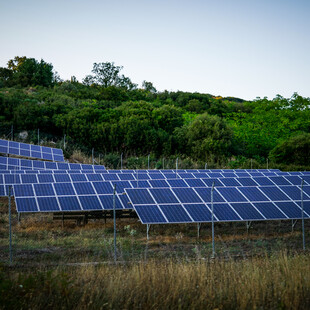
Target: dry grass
<point>278,282</point>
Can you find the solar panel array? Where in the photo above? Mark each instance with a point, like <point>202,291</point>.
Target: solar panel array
<point>64,197</point>
<point>31,150</point>
<point>8,163</point>
<point>190,205</point>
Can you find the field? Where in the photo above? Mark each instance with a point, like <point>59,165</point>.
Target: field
<point>72,267</point>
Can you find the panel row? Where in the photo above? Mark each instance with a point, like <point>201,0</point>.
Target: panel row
<point>158,196</point>
<point>150,180</point>
<point>9,163</point>
<point>31,150</point>
<point>223,212</point>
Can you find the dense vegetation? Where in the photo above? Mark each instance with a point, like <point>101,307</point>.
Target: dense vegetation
<point>110,113</point>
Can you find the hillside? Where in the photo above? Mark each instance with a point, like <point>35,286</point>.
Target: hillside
<point>111,114</point>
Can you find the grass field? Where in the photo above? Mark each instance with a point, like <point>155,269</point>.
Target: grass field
<point>72,267</point>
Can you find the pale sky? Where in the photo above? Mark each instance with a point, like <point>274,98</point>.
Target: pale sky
<point>240,48</point>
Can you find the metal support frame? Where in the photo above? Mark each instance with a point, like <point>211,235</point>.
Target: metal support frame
<point>148,162</point>
<point>121,161</point>
<point>293,224</point>
<point>64,142</point>
<point>147,231</point>
<point>38,136</point>
<point>10,226</point>
<point>212,209</point>
<point>114,222</point>
<point>302,216</point>
<point>19,216</point>
<point>198,230</point>
<point>92,156</point>
<point>176,167</point>
<point>163,163</point>
<point>206,165</point>
<point>248,225</point>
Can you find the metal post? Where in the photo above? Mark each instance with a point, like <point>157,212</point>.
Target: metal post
<point>198,230</point>
<point>267,164</point>
<point>114,221</point>
<point>147,231</point>
<point>38,136</point>
<point>64,142</point>
<point>121,161</point>
<point>176,167</point>
<point>99,158</point>
<point>12,133</point>
<point>10,226</point>
<point>148,162</point>
<point>206,165</point>
<point>302,216</point>
<point>92,155</point>
<point>212,209</point>
<point>163,163</point>
<point>251,164</point>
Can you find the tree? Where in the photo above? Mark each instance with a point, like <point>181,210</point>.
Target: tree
<point>107,74</point>
<point>209,137</point>
<point>295,150</point>
<point>25,72</point>
<point>148,86</point>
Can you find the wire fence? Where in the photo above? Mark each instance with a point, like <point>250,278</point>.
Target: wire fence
<point>51,239</point>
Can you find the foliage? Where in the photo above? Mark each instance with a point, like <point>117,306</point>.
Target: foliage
<point>109,113</point>
<point>295,150</point>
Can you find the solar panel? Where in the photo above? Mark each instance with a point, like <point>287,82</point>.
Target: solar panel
<point>29,150</point>
<point>175,214</point>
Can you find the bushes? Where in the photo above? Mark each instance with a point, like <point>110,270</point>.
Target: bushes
<point>295,150</point>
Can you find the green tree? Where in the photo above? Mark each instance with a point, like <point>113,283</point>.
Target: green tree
<point>209,136</point>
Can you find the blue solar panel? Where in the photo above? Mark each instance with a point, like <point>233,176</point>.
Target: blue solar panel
<point>44,189</point>
<point>294,179</point>
<point>110,177</point>
<point>140,184</point>
<point>94,177</point>
<point>2,191</point>
<point>262,181</point>
<point>84,188</point>
<point>186,195</point>
<point>198,212</point>
<point>175,214</point>
<point>205,194</point>
<point>28,178</point>
<point>121,185</point>
<point>247,182</point>
<point>279,181</point>
<point>195,183</point>
<point>48,204</point>
<point>253,194</point>
<point>64,189</point>
<point>247,211</point>
<point>273,193</point>
<point>140,196</point>
<point>230,182</point>
<point>90,203</point>
<point>78,177</point>
<point>209,182</point>
<point>45,178</point>
<point>224,212</point>
<point>289,208</point>
<point>23,190</point>
<point>269,210</point>
<point>69,203</point>
<point>103,187</point>
<point>163,195</point>
<point>177,183</point>
<point>293,192</point>
<point>62,178</point>
<point>126,176</point>
<point>231,194</point>
<point>158,183</point>
<point>11,179</point>
<point>107,202</point>
<point>26,205</point>
<point>157,176</point>
<point>150,214</point>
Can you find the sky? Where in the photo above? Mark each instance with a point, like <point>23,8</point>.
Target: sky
<point>239,48</point>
